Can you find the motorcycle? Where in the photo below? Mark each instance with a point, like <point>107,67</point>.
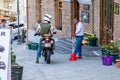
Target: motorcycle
<point>47,47</point>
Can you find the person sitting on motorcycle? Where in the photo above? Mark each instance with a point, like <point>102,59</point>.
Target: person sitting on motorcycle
<point>43,29</point>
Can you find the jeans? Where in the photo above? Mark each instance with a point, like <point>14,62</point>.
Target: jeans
<point>78,45</point>
<point>39,49</point>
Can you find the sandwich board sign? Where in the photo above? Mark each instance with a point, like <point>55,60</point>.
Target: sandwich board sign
<point>5,54</point>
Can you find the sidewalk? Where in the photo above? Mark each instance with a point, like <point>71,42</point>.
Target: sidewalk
<point>89,68</point>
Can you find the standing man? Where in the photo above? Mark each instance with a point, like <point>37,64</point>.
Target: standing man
<point>79,31</point>
<point>4,25</point>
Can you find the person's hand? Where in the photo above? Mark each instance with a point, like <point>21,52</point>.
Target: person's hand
<point>11,27</point>
<point>51,35</point>
<point>74,35</point>
<point>35,34</point>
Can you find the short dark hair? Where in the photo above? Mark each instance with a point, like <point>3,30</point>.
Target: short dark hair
<point>3,20</point>
<point>76,18</point>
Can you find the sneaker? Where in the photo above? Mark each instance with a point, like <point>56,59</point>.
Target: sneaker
<point>80,57</point>
<point>52,52</point>
<point>37,60</point>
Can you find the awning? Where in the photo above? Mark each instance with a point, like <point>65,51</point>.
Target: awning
<point>85,1</point>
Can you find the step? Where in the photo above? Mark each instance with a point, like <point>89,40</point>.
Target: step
<point>63,47</point>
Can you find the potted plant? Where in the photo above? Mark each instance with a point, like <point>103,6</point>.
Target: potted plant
<point>114,51</point>
<point>104,49</point>
<point>92,40</point>
<point>32,46</point>
<point>118,62</point>
<point>106,57</point>
<point>13,56</point>
<point>16,69</point>
<point>112,48</point>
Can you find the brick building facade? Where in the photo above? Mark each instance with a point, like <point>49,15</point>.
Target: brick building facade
<point>63,12</point>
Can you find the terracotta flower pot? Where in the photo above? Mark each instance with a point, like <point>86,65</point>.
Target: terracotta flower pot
<point>118,63</point>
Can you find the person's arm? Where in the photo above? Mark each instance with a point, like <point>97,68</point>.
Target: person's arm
<point>51,30</point>
<point>38,29</point>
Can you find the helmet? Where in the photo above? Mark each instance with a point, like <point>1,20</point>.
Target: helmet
<point>47,17</point>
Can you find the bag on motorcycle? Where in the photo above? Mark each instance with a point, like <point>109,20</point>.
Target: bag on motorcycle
<point>45,28</point>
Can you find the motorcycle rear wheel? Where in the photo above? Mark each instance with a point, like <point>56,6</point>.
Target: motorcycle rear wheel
<point>48,54</point>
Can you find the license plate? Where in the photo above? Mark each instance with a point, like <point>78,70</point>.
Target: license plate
<point>47,45</point>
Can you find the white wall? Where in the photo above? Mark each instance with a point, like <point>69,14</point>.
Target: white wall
<point>22,10</point>
<point>14,5</point>
<point>1,4</point>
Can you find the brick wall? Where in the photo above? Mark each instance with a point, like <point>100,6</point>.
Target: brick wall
<point>32,13</point>
<point>66,21</point>
<point>97,18</point>
<point>88,27</point>
<point>48,8</point>
<point>93,26</point>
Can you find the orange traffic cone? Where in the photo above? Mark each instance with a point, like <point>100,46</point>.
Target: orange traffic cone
<point>73,57</point>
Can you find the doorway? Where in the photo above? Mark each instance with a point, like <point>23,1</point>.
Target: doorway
<point>106,20</point>
<point>75,13</point>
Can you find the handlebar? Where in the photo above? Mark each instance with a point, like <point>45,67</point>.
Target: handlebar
<point>37,34</point>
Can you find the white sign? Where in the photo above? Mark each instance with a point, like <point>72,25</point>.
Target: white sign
<point>85,1</point>
<point>4,54</point>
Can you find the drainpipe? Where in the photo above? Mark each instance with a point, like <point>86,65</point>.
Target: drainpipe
<point>27,20</point>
